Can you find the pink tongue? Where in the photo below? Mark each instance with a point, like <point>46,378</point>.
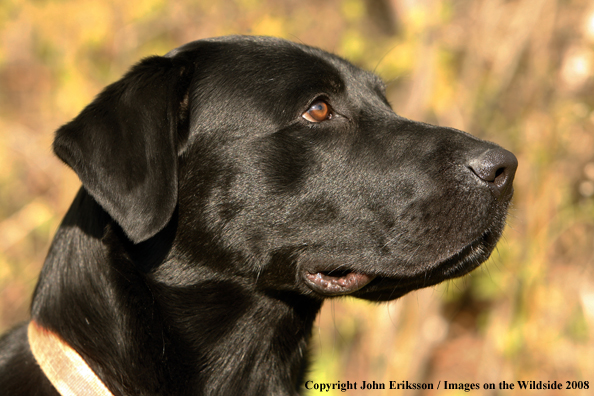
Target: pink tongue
<point>336,285</point>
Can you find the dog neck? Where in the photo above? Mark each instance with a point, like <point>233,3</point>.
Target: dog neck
<point>240,343</point>
<point>137,326</point>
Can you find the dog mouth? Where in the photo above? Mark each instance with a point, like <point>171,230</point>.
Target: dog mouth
<point>337,282</point>
<point>388,284</point>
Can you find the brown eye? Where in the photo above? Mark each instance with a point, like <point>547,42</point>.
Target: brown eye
<point>319,111</point>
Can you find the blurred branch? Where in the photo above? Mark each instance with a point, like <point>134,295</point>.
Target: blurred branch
<point>383,16</point>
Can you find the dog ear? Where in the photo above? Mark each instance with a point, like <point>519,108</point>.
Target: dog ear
<point>124,145</point>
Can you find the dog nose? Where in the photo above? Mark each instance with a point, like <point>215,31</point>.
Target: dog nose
<point>497,167</point>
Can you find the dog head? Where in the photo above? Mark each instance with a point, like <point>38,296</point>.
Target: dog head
<point>286,167</point>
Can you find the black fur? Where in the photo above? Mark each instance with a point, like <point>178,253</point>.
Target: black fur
<point>214,219</point>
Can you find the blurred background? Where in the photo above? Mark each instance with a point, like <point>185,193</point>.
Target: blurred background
<point>517,72</point>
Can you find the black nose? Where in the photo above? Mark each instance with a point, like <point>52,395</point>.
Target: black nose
<point>497,167</point>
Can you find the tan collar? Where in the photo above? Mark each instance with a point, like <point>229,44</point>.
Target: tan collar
<point>62,365</point>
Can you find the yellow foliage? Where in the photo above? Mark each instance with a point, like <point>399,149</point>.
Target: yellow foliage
<point>270,26</point>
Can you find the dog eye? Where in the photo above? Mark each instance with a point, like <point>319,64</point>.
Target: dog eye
<point>319,111</point>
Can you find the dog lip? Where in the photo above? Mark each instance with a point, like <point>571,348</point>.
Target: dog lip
<point>388,287</point>
<point>330,285</point>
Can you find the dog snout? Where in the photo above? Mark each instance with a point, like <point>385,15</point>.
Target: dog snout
<point>497,167</point>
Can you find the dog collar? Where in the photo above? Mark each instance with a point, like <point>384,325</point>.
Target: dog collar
<point>62,365</point>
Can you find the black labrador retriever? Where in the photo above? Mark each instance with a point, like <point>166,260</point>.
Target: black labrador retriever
<point>228,188</point>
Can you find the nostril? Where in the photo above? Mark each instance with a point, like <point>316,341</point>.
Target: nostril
<point>501,175</point>
<point>497,167</point>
